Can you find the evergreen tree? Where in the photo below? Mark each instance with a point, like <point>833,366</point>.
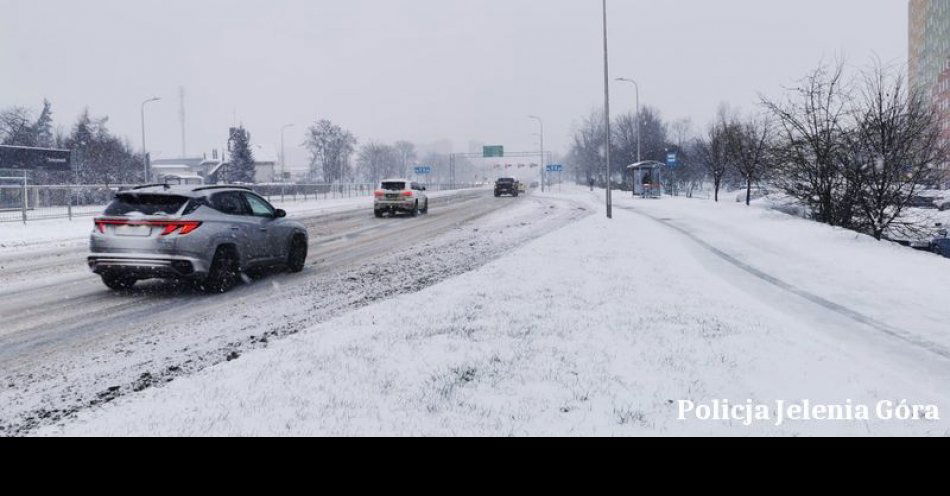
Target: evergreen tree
<point>241,169</point>
<point>43,128</point>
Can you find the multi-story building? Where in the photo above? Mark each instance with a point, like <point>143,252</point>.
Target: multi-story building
<point>929,58</point>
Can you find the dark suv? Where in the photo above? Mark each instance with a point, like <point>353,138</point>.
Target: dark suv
<point>507,186</point>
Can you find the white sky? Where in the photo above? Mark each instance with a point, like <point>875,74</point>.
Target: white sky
<point>423,70</point>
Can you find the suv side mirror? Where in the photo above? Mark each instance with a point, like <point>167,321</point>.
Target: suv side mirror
<point>422,188</point>
<point>280,213</point>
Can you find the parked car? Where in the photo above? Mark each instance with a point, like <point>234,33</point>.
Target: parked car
<point>921,201</point>
<point>941,243</point>
<point>939,198</point>
<point>401,195</point>
<point>941,246</point>
<point>507,186</point>
<point>209,235</point>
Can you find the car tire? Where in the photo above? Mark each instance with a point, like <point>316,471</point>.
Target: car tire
<point>379,214</point>
<point>225,272</point>
<point>297,255</point>
<point>426,209</point>
<point>117,282</point>
<point>415,210</point>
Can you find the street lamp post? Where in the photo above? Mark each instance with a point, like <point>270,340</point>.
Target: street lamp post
<point>283,159</point>
<point>541,123</point>
<point>610,206</point>
<point>639,123</point>
<point>145,156</point>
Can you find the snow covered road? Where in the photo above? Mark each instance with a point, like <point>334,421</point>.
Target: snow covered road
<point>598,328</point>
<point>66,343</point>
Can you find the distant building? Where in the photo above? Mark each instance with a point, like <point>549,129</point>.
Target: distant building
<point>177,167</point>
<point>266,165</point>
<point>929,57</point>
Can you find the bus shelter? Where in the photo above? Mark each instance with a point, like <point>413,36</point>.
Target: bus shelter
<point>647,179</point>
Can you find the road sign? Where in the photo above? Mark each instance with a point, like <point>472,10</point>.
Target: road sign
<point>672,160</point>
<point>18,157</point>
<point>555,168</point>
<point>423,171</point>
<point>493,151</point>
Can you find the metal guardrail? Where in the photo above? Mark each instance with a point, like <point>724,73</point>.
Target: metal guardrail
<point>23,202</point>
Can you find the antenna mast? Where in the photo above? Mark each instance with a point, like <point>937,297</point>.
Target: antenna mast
<point>181,116</point>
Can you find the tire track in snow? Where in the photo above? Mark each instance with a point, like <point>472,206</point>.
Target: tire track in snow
<point>837,308</point>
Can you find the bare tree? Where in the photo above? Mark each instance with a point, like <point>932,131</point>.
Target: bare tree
<point>377,161</point>
<point>586,154</point>
<point>331,148</point>
<point>811,123</point>
<point>713,150</point>
<point>16,127</point>
<point>893,150</point>
<point>750,149</point>
<point>406,152</point>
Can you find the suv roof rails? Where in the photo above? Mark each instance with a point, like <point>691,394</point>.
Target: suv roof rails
<point>208,188</point>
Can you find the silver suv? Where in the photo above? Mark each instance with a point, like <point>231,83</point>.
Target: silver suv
<point>209,234</point>
<point>401,195</point>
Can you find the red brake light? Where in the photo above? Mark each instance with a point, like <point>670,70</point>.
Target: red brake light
<point>183,227</point>
<point>407,193</point>
<point>379,193</point>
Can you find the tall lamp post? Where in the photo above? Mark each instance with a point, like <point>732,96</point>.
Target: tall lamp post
<point>283,159</point>
<point>145,156</point>
<point>639,123</point>
<point>610,205</point>
<point>541,123</point>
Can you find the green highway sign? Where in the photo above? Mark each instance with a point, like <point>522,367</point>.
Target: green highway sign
<point>494,151</point>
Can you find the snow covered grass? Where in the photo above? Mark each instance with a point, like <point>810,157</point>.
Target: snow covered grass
<point>901,287</point>
<point>596,329</point>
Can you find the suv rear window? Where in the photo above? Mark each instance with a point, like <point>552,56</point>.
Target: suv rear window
<point>145,204</point>
<point>394,186</point>
<point>506,181</point>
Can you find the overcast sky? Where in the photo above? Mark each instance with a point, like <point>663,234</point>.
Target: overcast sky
<point>422,70</point>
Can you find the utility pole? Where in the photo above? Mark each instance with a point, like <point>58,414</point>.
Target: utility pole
<point>181,117</point>
<point>543,175</point>
<point>610,206</point>
<point>145,156</point>
<point>283,160</point>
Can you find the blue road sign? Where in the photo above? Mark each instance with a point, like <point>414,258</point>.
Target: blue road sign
<point>672,160</point>
<point>423,171</point>
<point>555,168</point>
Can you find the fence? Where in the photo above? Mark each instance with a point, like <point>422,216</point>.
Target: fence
<point>23,202</point>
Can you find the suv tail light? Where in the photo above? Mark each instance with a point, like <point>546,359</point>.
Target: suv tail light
<point>182,227</point>
<point>407,194</point>
<point>379,193</point>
